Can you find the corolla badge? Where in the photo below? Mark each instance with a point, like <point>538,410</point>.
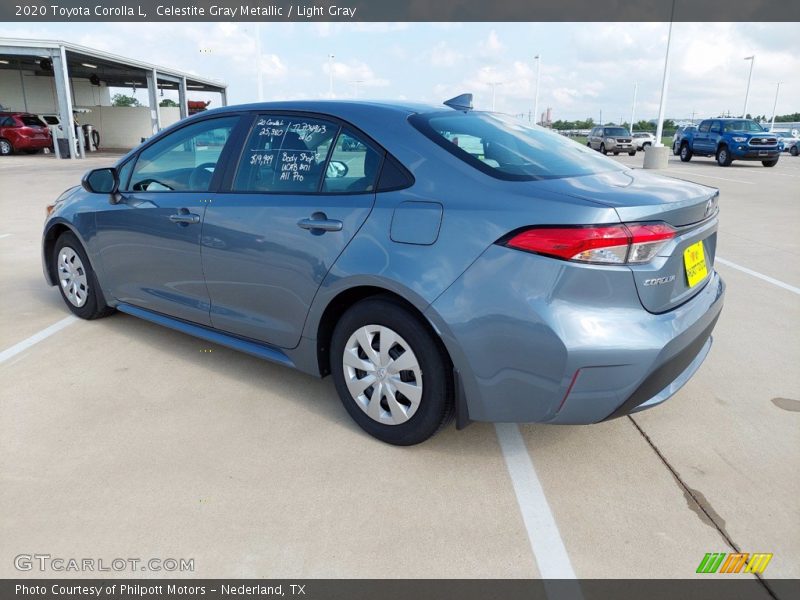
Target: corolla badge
<point>659,280</point>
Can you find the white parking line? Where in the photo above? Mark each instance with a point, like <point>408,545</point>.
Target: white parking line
<point>4,235</point>
<point>36,338</point>
<point>543,535</point>
<point>692,172</point>
<point>766,278</point>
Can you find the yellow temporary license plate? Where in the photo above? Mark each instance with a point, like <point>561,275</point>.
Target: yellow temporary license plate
<point>694,260</point>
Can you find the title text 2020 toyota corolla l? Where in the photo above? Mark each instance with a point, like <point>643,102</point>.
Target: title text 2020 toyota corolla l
<point>437,262</point>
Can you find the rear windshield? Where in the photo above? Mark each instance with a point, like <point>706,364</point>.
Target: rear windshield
<point>505,148</point>
<point>51,120</point>
<point>30,120</point>
<point>617,131</point>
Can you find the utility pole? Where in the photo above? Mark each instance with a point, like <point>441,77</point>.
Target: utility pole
<point>752,60</point>
<point>494,85</point>
<point>633,107</point>
<point>260,76</point>
<point>775,106</point>
<point>538,60</point>
<point>330,75</point>
<point>664,83</point>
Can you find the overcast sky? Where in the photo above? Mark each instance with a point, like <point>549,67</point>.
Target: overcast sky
<point>585,67</point>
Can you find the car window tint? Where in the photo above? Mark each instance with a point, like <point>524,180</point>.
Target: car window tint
<point>285,154</point>
<point>183,161</point>
<point>704,126</point>
<point>715,127</point>
<point>353,167</point>
<point>509,149</point>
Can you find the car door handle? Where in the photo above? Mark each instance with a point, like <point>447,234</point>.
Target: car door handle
<point>320,222</point>
<point>185,218</point>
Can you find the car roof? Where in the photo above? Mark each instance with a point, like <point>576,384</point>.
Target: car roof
<point>333,107</point>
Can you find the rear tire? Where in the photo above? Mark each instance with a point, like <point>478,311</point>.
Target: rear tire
<point>5,147</point>
<point>685,153</point>
<point>769,163</point>
<point>724,156</point>
<point>416,401</point>
<point>76,279</point>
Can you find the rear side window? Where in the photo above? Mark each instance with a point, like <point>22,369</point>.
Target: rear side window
<point>354,166</point>
<point>51,120</point>
<point>508,149</point>
<point>715,127</point>
<point>285,154</point>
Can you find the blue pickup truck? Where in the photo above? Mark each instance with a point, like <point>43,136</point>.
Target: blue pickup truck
<point>731,139</point>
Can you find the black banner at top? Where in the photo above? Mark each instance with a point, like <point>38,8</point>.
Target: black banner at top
<point>398,10</point>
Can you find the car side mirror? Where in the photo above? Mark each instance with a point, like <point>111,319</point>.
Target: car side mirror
<point>101,181</point>
<point>337,169</point>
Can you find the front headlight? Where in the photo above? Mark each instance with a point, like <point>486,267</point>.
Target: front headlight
<point>610,140</point>
<point>740,139</point>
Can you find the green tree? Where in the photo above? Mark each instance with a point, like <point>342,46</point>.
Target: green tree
<point>787,118</point>
<point>123,100</point>
<point>168,102</point>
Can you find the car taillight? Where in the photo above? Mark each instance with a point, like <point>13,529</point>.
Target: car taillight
<point>606,244</point>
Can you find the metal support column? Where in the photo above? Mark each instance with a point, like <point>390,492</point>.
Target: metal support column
<point>64,96</point>
<point>152,94</point>
<point>182,98</point>
<point>224,96</point>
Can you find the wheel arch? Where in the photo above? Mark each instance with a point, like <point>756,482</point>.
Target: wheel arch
<point>344,298</point>
<point>51,235</point>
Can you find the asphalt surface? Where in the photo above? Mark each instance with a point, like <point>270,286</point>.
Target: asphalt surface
<point>119,438</point>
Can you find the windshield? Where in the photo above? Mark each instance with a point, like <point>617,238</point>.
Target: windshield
<point>507,149</point>
<point>616,132</point>
<point>743,125</point>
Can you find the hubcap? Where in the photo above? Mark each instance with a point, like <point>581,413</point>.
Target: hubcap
<point>72,277</point>
<point>382,374</point>
<point>5,147</point>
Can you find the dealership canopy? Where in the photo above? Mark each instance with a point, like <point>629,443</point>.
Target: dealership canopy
<point>65,62</point>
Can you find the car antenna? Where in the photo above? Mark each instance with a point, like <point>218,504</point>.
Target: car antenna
<point>462,102</point>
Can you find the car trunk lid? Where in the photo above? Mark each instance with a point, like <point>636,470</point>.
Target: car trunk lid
<point>638,197</point>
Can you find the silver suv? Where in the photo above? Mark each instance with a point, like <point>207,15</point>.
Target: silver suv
<point>611,139</point>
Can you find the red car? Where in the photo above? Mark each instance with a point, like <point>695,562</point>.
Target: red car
<point>23,132</point>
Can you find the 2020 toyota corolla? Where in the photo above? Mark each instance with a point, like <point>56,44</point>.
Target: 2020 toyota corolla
<point>437,261</point>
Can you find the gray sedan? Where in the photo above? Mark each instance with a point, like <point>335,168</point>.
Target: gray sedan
<point>438,262</point>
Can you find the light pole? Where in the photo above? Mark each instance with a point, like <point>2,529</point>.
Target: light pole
<point>752,60</point>
<point>664,83</point>
<point>633,108</point>
<point>775,105</point>
<point>538,60</point>
<point>494,85</point>
<point>330,75</point>
<point>260,76</point>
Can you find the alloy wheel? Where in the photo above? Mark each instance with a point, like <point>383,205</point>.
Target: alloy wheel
<point>72,277</point>
<point>383,375</point>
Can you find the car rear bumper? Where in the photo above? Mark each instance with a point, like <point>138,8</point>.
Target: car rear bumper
<point>540,340</point>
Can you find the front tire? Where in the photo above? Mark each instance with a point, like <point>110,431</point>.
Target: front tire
<point>686,152</point>
<point>769,163</point>
<point>793,150</point>
<point>603,150</point>
<point>5,147</point>
<point>391,373</point>
<point>724,157</point>
<point>632,153</point>
<point>76,279</point>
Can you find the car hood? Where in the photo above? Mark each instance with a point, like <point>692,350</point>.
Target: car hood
<point>640,196</point>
